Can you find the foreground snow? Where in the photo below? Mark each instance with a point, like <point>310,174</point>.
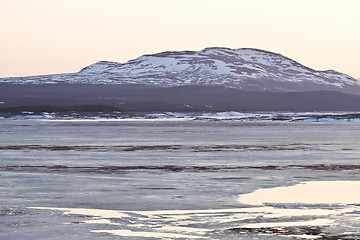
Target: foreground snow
<point>206,224</point>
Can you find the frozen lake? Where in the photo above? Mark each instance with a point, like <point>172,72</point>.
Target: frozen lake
<point>178,179</point>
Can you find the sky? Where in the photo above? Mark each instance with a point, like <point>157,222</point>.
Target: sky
<point>59,36</point>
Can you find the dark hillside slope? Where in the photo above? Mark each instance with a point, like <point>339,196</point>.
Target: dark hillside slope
<point>142,98</point>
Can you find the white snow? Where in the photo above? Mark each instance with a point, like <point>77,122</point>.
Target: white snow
<point>197,223</point>
<point>222,67</point>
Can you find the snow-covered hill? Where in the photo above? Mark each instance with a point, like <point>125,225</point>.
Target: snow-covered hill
<point>244,68</point>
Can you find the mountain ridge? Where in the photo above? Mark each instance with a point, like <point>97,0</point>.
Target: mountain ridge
<point>247,69</point>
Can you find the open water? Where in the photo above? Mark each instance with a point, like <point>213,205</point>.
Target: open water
<point>174,179</point>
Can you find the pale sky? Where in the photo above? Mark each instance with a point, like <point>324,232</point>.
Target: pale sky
<point>59,36</point>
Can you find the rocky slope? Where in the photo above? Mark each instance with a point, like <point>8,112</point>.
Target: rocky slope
<point>245,69</point>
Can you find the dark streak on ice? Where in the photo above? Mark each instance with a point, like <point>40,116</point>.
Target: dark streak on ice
<point>280,230</point>
<point>172,168</point>
<point>212,148</point>
<point>309,231</point>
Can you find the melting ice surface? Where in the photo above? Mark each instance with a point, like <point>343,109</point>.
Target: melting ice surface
<point>109,179</point>
<point>297,211</point>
